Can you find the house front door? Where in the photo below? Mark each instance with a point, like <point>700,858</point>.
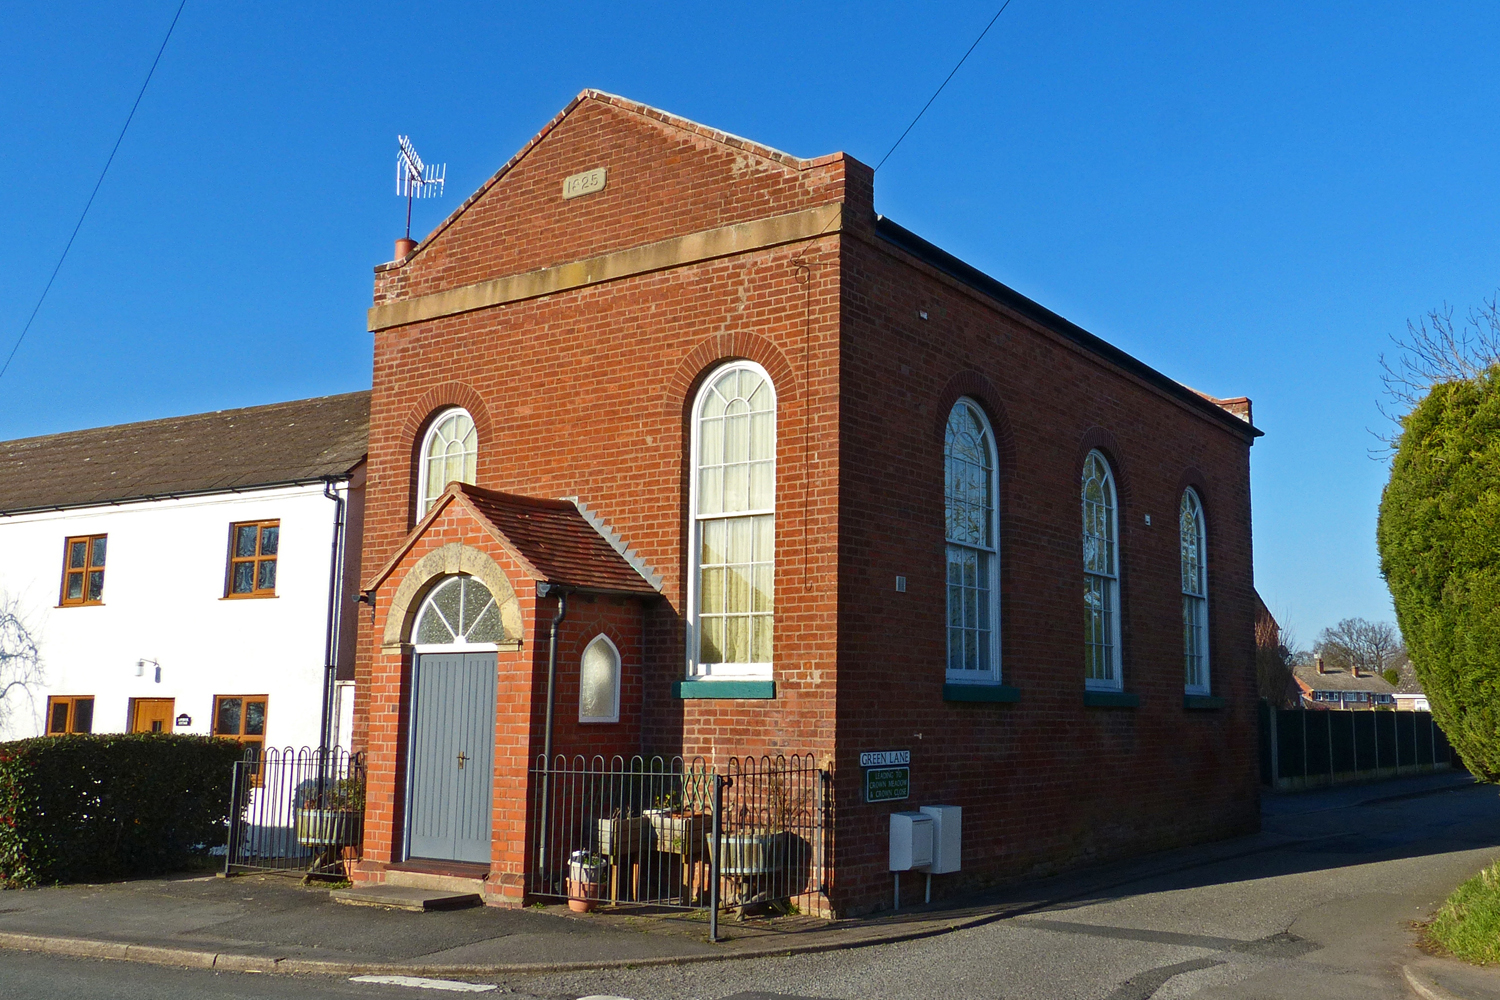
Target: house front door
<point>151,715</point>
<point>451,762</point>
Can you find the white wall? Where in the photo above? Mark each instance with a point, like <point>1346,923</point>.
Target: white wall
<point>163,600</point>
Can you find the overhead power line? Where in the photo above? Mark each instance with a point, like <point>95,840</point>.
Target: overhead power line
<point>935,93</point>
<point>87,205</point>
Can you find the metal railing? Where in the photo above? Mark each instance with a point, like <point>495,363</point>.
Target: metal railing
<point>296,811</point>
<point>666,832</point>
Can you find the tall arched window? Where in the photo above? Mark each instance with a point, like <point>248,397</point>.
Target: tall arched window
<point>1194,593</point>
<point>450,452</point>
<point>733,523</point>
<point>973,545</point>
<point>1101,576</point>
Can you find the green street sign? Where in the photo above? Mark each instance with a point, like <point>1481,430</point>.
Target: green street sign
<point>887,784</point>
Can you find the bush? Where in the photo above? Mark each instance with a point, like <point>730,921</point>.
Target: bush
<point>86,808</point>
<point>1468,925</point>
<point>1440,555</point>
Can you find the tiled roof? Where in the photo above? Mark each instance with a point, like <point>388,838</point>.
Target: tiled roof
<point>301,441</point>
<point>1338,679</point>
<point>558,541</point>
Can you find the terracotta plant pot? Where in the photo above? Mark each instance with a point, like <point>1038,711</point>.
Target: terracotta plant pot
<point>582,896</point>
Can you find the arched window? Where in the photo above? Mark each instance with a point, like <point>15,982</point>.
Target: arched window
<point>450,451</point>
<point>459,611</point>
<point>1194,592</point>
<point>732,549</point>
<point>599,682</point>
<point>1101,576</point>
<point>973,545</point>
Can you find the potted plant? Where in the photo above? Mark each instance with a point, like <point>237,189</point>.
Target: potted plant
<point>621,836</point>
<point>678,826</point>
<point>329,816</point>
<point>587,874</point>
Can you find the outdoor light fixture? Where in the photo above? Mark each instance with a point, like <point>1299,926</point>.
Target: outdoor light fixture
<point>140,668</point>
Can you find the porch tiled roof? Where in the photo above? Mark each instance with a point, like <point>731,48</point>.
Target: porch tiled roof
<point>558,541</point>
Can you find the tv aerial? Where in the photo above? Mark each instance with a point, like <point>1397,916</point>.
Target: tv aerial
<point>415,179</point>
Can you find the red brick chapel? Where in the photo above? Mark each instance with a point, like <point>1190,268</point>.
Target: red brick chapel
<point>808,484</point>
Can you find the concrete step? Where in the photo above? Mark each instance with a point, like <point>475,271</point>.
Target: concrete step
<point>434,881</point>
<point>404,897</point>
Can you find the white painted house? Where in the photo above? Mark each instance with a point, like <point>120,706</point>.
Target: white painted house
<point>193,574</point>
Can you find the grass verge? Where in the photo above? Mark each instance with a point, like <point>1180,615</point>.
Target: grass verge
<point>1468,924</point>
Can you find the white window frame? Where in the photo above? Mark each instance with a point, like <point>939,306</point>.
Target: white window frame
<point>619,669</point>
<point>1197,601</point>
<point>992,676</point>
<point>1111,584</point>
<point>423,499</point>
<point>735,671</point>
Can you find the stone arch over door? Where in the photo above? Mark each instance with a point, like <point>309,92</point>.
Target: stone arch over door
<point>451,559</point>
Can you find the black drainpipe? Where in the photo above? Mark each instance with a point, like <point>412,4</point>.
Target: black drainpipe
<point>335,613</point>
<point>545,590</point>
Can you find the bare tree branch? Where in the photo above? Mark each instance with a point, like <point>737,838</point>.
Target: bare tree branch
<point>1371,647</point>
<point>1435,350</point>
<point>20,659</point>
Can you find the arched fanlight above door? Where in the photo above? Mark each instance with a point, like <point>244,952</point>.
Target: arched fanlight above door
<point>459,611</point>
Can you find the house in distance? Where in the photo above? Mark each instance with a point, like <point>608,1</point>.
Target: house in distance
<point>190,574</point>
<point>810,485</point>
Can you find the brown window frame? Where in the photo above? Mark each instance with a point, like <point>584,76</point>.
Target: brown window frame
<point>256,561</point>
<point>70,723</point>
<point>84,572</point>
<point>258,741</point>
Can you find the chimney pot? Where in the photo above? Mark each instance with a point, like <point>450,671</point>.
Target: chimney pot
<point>1321,669</point>
<point>404,246</point>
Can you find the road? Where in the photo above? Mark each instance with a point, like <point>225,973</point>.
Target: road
<point>1327,917</point>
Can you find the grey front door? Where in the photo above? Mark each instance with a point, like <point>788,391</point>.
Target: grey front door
<point>451,768</point>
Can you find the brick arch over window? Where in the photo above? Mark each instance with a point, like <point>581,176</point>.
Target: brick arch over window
<point>1193,477</point>
<point>682,386</point>
<point>432,569</point>
<point>420,416</point>
<point>1098,439</point>
<point>982,391</point>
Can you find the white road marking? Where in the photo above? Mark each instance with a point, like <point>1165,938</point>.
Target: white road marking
<point>417,982</point>
<point>602,996</point>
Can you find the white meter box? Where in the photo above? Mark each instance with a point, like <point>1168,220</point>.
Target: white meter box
<point>947,838</point>
<point>911,841</point>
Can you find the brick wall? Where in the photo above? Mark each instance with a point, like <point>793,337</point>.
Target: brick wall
<point>1044,781</point>
<point>586,393</point>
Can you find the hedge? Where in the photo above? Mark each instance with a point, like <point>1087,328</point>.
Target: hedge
<point>1439,538</point>
<point>88,808</point>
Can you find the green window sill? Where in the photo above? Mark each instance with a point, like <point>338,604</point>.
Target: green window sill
<point>980,692</point>
<point>1111,699</point>
<point>1202,702</point>
<point>724,689</point>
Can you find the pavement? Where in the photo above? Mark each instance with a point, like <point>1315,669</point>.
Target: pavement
<point>1326,893</point>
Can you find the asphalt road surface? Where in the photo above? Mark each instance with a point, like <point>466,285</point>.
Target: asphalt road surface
<point>1329,917</point>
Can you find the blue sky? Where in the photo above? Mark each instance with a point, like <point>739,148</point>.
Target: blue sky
<point>1249,196</point>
